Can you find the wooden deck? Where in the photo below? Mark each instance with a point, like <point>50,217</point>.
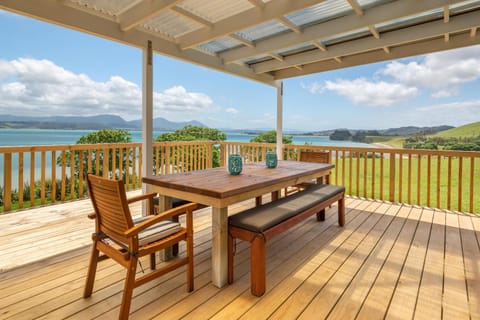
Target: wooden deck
<point>389,261</point>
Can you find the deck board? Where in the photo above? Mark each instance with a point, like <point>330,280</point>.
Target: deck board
<point>389,261</point>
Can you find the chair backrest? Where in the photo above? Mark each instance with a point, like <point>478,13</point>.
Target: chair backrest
<point>111,208</point>
<point>315,156</point>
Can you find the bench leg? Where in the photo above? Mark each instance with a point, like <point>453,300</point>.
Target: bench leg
<point>321,215</point>
<point>341,212</point>
<point>230,253</point>
<point>257,266</point>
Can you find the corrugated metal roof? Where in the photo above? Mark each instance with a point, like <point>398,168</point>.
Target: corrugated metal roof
<point>324,11</point>
<point>279,34</point>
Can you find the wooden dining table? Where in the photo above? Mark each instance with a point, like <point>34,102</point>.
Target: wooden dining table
<point>217,188</point>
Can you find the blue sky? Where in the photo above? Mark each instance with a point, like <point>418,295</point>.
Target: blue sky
<point>49,70</point>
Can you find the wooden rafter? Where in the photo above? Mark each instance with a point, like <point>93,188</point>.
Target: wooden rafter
<point>192,16</point>
<point>287,23</point>
<point>354,4</point>
<point>257,3</point>
<point>386,49</point>
<point>319,45</point>
<point>373,16</point>
<point>143,11</point>
<point>374,32</point>
<point>242,40</point>
<point>272,10</point>
<point>446,14</point>
<point>276,57</point>
<point>473,32</point>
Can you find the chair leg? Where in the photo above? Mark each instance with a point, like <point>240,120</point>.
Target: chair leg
<point>190,274</point>
<point>153,263</point>
<point>92,269</point>
<point>257,266</point>
<point>128,289</point>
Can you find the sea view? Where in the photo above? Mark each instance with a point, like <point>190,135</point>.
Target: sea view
<point>29,137</point>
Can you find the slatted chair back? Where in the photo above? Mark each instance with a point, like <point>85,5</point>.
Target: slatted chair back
<point>315,156</point>
<point>112,212</point>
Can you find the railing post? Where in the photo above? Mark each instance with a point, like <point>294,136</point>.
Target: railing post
<point>7,182</point>
<point>222,154</point>
<point>392,177</point>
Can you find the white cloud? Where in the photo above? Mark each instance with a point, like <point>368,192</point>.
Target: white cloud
<point>455,113</point>
<point>313,87</point>
<point>363,91</point>
<point>232,111</point>
<point>40,87</point>
<point>442,72</point>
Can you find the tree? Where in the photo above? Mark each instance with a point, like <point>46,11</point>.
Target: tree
<point>101,136</point>
<point>193,133</point>
<point>341,134</point>
<point>271,137</point>
<point>196,133</point>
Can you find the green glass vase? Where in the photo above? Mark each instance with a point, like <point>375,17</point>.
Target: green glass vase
<point>271,159</point>
<point>235,164</point>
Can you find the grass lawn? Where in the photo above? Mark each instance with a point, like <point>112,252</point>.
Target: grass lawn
<point>423,186</point>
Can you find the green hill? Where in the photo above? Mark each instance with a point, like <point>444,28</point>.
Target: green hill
<point>467,131</point>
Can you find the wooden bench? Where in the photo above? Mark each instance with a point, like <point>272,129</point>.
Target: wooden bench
<point>259,224</point>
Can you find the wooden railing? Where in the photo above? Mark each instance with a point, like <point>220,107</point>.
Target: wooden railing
<point>441,179</point>
<point>39,175</point>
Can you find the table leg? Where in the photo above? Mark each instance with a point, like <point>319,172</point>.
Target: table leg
<point>219,246</point>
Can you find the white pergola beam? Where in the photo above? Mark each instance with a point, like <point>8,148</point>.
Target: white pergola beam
<point>289,24</point>
<point>143,11</point>
<point>53,11</point>
<point>391,39</point>
<point>193,17</point>
<point>408,50</point>
<point>244,20</point>
<point>147,116</point>
<point>242,40</point>
<point>373,16</point>
<point>354,4</point>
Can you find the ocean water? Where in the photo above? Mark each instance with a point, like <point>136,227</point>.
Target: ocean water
<point>29,137</point>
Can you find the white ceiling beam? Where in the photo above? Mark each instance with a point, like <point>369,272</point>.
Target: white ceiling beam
<point>192,17</point>
<point>446,14</point>
<point>388,11</point>
<point>473,32</point>
<point>53,11</point>
<point>242,40</point>
<point>257,3</point>
<point>143,11</point>
<point>374,32</point>
<point>320,46</point>
<point>411,49</point>
<point>389,39</point>
<point>276,56</point>
<point>244,20</point>
<point>287,23</point>
<point>354,4</point>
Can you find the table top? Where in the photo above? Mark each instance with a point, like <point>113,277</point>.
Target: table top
<point>218,183</point>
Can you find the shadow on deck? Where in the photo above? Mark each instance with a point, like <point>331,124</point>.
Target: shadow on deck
<point>390,260</point>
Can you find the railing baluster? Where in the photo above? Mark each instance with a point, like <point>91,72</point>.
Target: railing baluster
<point>374,157</point>
<point>429,174</point>
<point>439,168</point>
<point>7,182</point>
<point>365,174</point>
<point>472,183</point>
<point>43,163</point>
<point>460,182</point>
<point>409,185</point>
<point>64,176</point>
<point>72,174</point>
<point>449,193</point>
<point>53,195</point>
<point>32,178</point>
<point>20,180</point>
<point>392,176</point>
<point>400,177</point>
<point>419,176</point>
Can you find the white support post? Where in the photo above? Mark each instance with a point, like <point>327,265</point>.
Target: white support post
<point>147,116</point>
<point>279,119</point>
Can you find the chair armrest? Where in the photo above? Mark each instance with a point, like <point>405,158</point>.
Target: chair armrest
<point>186,208</point>
<point>92,215</point>
<point>141,197</point>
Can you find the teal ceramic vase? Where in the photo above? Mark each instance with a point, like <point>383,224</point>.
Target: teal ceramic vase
<point>271,159</point>
<point>235,164</point>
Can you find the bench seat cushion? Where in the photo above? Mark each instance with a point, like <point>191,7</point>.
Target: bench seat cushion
<point>262,218</point>
<point>176,202</point>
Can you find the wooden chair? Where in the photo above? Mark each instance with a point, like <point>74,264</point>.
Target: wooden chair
<point>310,156</point>
<point>124,240</point>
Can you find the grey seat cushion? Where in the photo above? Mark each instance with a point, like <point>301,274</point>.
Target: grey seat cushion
<point>266,216</point>
<point>156,232</point>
